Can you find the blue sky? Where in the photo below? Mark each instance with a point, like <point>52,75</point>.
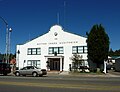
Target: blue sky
<point>32,18</point>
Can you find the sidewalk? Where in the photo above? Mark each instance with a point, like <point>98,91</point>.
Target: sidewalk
<point>67,74</point>
<point>84,74</point>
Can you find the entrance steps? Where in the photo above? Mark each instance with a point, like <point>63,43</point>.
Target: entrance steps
<point>53,72</point>
<point>58,72</point>
<point>64,73</point>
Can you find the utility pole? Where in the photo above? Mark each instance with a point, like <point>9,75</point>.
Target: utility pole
<point>8,31</point>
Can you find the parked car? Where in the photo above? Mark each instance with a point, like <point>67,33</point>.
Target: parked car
<point>30,70</point>
<point>5,68</point>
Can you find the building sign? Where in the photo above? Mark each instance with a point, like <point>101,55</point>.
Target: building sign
<point>55,43</point>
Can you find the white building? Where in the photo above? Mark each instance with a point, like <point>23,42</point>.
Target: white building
<point>52,50</point>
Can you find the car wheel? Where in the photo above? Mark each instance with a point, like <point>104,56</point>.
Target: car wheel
<point>17,74</point>
<point>34,74</point>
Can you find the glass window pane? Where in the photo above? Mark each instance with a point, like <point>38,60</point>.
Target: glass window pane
<point>38,62</point>
<point>85,49</point>
<point>56,50</point>
<point>29,63</point>
<point>38,51</point>
<point>80,49</point>
<point>61,50</point>
<point>50,50</point>
<point>74,49</point>
<point>29,51</point>
<point>33,63</point>
<point>33,51</point>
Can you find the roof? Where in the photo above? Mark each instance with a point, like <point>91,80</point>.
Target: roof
<point>56,29</point>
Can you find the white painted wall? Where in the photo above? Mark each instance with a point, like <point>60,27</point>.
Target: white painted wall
<point>63,39</point>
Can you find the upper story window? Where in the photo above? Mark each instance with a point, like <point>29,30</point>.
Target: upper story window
<point>58,50</point>
<point>34,51</point>
<point>85,49</point>
<point>79,49</point>
<point>74,49</point>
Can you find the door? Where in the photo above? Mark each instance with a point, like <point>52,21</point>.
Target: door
<point>55,64</point>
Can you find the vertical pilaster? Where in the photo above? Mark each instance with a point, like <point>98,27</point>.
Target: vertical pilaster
<point>61,64</point>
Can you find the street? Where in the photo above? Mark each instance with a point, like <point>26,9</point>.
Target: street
<point>59,83</point>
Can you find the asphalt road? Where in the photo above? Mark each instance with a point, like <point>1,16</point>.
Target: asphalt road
<point>59,84</point>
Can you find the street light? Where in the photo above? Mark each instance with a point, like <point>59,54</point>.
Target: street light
<point>9,34</point>
<point>8,31</point>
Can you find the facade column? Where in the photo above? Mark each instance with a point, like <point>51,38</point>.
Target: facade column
<point>105,71</point>
<point>46,60</point>
<point>61,64</point>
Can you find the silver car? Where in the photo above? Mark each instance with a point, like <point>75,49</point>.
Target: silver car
<point>30,70</point>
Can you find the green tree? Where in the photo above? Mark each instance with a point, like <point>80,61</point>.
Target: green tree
<point>77,61</point>
<point>98,45</point>
<point>3,56</point>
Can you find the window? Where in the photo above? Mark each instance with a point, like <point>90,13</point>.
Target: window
<point>74,49</point>
<point>33,63</point>
<point>85,49</point>
<point>58,50</point>
<point>34,51</point>
<point>61,50</point>
<point>51,50</point>
<point>38,51</point>
<point>79,49</point>
<point>29,63</point>
<point>29,51</point>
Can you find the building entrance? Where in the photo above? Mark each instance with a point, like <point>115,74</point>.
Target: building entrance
<point>54,64</point>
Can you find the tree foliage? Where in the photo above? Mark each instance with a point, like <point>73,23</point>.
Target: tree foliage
<point>114,53</point>
<point>98,44</point>
<point>2,57</point>
<point>77,60</point>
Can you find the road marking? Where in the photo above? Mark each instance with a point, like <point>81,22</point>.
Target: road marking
<point>72,86</point>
